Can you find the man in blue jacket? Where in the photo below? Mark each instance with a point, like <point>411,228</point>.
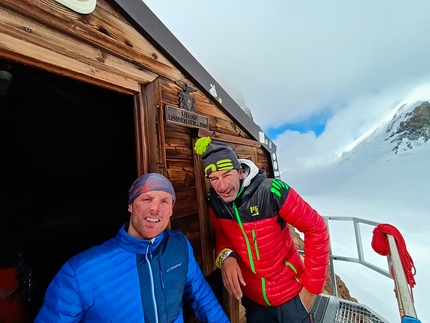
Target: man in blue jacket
<point>141,275</point>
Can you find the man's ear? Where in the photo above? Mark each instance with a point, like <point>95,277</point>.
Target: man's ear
<point>130,208</point>
<point>240,171</point>
<point>171,212</point>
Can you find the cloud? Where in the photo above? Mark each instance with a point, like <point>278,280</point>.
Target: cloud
<point>288,61</point>
<point>353,119</point>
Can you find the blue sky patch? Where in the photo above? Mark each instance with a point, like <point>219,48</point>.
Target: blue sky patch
<point>315,123</point>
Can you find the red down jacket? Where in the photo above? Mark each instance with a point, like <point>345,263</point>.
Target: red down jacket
<point>255,226</point>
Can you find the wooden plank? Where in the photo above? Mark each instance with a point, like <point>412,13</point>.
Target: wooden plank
<point>37,56</point>
<point>181,165</point>
<point>254,156</point>
<point>206,231</point>
<point>161,132</point>
<point>151,125</point>
<point>188,226</point>
<point>181,174</point>
<point>184,209</point>
<point>228,138</point>
<point>232,307</point>
<point>225,126</point>
<point>99,29</point>
<point>177,135</point>
<point>175,153</point>
<point>203,105</point>
<point>186,194</point>
<point>264,162</point>
<point>39,35</point>
<point>244,152</point>
<point>139,121</point>
<point>183,131</point>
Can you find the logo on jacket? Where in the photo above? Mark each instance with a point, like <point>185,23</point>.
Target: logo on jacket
<point>277,186</point>
<point>254,210</point>
<point>174,267</point>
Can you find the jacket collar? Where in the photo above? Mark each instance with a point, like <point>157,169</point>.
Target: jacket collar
<point>250,170</point>
<point>135,245</point>
<point>252,178</point>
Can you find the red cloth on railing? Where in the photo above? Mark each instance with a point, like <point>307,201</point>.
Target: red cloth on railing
<point>380,245</point>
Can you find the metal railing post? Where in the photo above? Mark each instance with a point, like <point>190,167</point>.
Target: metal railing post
<point>332,273</point>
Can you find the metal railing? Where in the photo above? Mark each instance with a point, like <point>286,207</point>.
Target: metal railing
<point>331,309</point>
<point>404,298</point>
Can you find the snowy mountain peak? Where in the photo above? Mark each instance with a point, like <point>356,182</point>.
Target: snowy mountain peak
<point>405,128</point>
<point>410,129</point>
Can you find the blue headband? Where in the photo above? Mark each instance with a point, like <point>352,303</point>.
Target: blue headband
<point>150,182</point>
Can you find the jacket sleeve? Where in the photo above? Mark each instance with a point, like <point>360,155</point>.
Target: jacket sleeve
<point>62,303</point>
<point>299,214</point>
<point>222,244</point>
<point>199,293</point>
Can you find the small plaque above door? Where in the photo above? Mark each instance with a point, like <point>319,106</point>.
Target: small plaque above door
<point>185,118</point>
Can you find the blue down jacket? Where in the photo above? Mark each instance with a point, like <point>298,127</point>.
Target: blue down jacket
<point>131,280</point>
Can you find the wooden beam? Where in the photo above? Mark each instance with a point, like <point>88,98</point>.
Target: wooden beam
<point>12,48</point>
<point>151,126</point>
<point>228,138</point>
<point>103,29</point>
<point>161,162</point>
<point>232,306</point>
<point>38,37</point>
<point>254,156</point>
<point>139,121</point>
<point>206,232</point>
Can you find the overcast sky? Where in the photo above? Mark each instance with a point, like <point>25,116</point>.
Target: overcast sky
<point>315,74</point>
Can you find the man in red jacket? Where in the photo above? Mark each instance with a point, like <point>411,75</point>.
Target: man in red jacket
<point>255,251</point>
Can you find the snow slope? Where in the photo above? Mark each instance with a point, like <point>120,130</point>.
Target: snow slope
<point>371,181</point>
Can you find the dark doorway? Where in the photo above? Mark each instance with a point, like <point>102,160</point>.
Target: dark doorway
<point>67,159</point>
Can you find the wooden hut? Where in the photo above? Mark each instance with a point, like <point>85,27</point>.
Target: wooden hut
<point>88,102</point>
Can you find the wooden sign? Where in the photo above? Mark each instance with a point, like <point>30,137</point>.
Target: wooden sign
<point>185,118</point>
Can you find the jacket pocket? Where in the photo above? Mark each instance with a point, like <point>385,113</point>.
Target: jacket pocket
<point>293,269</point>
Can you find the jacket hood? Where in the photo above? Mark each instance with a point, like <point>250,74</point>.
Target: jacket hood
<point>252,177</point>
<point>250,170</point>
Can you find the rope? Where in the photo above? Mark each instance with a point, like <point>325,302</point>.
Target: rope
<point>380,245</point>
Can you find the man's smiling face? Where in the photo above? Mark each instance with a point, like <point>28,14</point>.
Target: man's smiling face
<point>150,214</point>
<point>226,183</point>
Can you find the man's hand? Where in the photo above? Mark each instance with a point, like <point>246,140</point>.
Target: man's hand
<point>308,299</point>
<point>231,276</point>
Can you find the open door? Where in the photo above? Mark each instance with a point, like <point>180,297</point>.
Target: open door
<point>67,160</point>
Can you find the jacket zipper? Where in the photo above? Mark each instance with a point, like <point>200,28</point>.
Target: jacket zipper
<point>293,268</point>
<point>248,245</point>
<point>152,280</point>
